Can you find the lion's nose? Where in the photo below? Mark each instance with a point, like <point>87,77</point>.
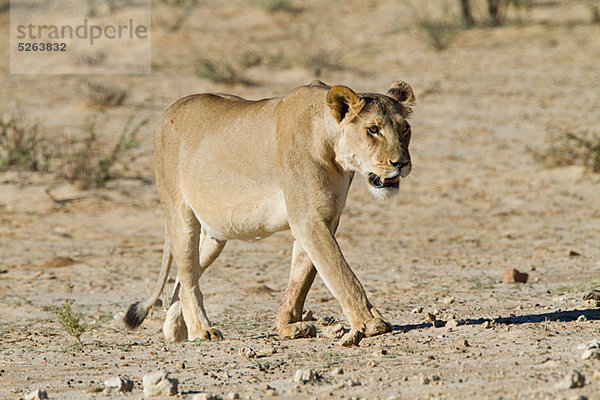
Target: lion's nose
<point>400,163</point>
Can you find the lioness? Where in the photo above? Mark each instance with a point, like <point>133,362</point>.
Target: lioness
<point>230,168</point>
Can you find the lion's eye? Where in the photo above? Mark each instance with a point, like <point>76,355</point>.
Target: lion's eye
<point>405,129</point>
<point>373,130</point>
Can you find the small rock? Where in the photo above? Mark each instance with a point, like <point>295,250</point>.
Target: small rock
<point>118,384</point>
<point>435,378</point>
<point>233,396</point>
<point>593,344</point>
<point>487,324</point>
<point>429,317</point>
<point>572,380</point>
<point>452,323</point>
<point>425,380</point>
<point>159,384</point>
<point>581,318</point>
<point>512,275</point>
<point>591,354</point>
<point>438,323</point>
<point>372,364</point>
<point>449,300</point>
<point>325,321</point>
<point>573,253</point>
<point>248,352</point>
<point>36,395</point>
<point>417,310</point>
<point>353,383</point>
<point>351,338</point>
<point>61,232</point>
<point>337,371</point>
<point>596,375</point>
<point>304,375</point>
<point>334,331</point>
<point>205,396</point>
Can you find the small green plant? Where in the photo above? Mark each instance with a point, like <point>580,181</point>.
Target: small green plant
<point>90,165</point>
<point>70,321</point>
<point>21,145</point>
<point>571,149</point>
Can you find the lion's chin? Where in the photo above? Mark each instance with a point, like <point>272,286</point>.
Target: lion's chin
<point>385,193</point>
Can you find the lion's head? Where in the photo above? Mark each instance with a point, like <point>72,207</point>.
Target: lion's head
<point>375,134</point>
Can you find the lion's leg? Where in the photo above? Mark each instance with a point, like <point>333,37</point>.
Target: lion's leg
<point>289,314</point>
<point>174,327</point>
<point>184,233</point>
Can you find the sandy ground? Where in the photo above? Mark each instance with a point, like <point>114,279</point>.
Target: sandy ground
<point>476,204</point>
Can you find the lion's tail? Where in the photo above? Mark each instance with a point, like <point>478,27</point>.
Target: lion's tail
<point>138,311</point>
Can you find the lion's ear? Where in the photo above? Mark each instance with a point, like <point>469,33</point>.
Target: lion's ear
<point>403,93</point>
<point>342,100</point>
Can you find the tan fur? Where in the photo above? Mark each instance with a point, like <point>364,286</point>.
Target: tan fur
<point>229,168</point>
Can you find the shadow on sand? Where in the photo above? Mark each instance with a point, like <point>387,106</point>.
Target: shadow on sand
<point>591,314</point>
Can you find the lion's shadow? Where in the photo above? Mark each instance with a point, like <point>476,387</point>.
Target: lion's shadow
<point>591,314</point>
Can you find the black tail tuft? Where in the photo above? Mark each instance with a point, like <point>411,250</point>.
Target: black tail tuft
<point>135,315</point>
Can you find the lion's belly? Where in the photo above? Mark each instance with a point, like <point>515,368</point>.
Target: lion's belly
<point>247,219</point>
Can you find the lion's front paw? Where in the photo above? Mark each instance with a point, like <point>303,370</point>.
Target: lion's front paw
<point>298,330</point>
<point>352,338</point>
<point>377,326</point>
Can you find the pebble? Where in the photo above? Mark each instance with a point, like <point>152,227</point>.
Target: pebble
<point>581,318</point>
<point>438,323</point>
<point>452,323</point>
<point>118,384</point>
<point>513,275</point>
<point>573,379</point>
<point>325,320</point>
<point>429,317</point>
<point>334,331</point>
<point>424,380</point>
<point>159,384</point>
<point>594,344</point>
<point>61,232</point>
<point>205,396</point>
<point>248,352</point>
<point>36,395</point>
<point>590,354</point>
<point>487,325</point>
<point>417,310</point>
<point>449,300</point>
<point>337,371</point>
<point>372,364</point>
<point>304,375</point>
<point>233,396</point>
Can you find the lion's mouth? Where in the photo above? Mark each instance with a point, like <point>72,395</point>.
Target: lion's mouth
<point>378,182</point>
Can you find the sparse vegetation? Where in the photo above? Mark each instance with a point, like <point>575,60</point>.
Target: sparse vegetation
<point>89,164</point>
<point>217,72</point>
<point>21,145</point>
<point>276,5</point>
<point>571,149</point>
<point>440,31</point>
<point>102,94</point>
<point>322,60</point>
<point>70,321</point>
